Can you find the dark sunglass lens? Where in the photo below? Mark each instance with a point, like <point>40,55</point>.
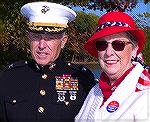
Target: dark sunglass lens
<point>101,45</point>
<point>118,45</point>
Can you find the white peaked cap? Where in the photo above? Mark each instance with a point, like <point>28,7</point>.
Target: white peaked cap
<point>48,14</point>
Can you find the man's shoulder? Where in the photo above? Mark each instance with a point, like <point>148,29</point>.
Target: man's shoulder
<point>12,70</point>
<point>143,81</point>
<point>85,75</point>
<point>81,69</point>
<point>14,65</point>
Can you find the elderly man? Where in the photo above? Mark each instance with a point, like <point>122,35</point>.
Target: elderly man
<point>45,89</point>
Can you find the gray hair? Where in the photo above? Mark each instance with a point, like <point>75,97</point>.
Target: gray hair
<point>132,39</point>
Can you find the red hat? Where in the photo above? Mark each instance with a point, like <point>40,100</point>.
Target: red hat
<point>115,22</point>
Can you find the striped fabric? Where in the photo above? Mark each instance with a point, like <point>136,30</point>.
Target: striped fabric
<point>108,24</point>
<point>143,82</point>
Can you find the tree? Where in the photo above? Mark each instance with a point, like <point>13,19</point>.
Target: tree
<point>143,23</point>
<point>13,42</point>
<point>79,32</point>
<point>109,5</point>
<point>14,45</point>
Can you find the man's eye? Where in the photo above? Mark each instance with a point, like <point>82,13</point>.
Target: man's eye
<point>51,38</point>
<point>35,36</point>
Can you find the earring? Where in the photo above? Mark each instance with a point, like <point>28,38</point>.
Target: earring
<point>132,58</point>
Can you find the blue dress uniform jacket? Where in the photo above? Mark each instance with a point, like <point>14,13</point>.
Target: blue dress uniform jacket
<point>31,93</point>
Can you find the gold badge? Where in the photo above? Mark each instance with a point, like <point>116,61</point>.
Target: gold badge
<point>45,9</point>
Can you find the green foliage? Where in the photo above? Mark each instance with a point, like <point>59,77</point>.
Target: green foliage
<point>142,22</point>
<point>13,37</point>
<point>86,22</point>
<point>146,50</point>
<point>108,5</point>
<point>13,40</point>
<point>79,32</point>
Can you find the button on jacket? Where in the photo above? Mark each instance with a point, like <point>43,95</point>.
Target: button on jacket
<point>31,93</point>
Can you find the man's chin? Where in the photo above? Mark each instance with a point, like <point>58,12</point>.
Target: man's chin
<point>42,62</point>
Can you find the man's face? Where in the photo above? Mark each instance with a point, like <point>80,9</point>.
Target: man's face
<point>45,48</point>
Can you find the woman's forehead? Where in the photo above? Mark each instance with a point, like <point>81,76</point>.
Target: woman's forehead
<point>116,35</point>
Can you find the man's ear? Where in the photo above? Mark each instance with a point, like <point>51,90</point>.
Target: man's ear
<point>64,40</point>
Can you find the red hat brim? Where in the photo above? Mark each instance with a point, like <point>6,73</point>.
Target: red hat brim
<point>136,32</point>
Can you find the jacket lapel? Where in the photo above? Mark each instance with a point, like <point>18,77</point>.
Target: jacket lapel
<point>119,101</point>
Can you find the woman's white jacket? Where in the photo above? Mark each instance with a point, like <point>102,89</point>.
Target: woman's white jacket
<point>130,102</point>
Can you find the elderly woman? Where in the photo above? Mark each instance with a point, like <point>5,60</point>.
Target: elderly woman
<point>123,89</point>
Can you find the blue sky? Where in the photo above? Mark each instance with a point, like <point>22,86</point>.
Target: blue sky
<point>140,8</point>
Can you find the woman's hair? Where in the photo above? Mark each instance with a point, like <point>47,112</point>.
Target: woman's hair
<point>132,39</point>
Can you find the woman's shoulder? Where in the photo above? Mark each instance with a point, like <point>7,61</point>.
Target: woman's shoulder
<point>143,81</point>
<point>95,91</point>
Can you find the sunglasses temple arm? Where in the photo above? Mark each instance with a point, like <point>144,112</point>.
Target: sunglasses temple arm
<point>139,60</point>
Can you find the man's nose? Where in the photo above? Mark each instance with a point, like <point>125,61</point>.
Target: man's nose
<point>42,44</point>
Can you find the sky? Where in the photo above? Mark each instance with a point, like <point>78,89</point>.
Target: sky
<point>140,8</point>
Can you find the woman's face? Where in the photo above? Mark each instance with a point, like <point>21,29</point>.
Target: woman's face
<point>115,63</point>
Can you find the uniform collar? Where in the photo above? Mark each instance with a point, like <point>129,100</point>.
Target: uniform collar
<point>35,66</point>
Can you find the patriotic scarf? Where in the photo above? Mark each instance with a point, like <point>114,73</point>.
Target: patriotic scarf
<point>107,90</point>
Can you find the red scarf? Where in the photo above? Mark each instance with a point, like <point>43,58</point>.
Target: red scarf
<point>107,90</point>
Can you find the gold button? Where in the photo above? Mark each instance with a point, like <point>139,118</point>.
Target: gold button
<point>66,103</point>
<point>44,76</point>
<point>69,64</point>
<point>41,109</point>
<point>14,101</point>
<point>42,92</point>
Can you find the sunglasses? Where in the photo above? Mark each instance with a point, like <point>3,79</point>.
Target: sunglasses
<point>117,45</point>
